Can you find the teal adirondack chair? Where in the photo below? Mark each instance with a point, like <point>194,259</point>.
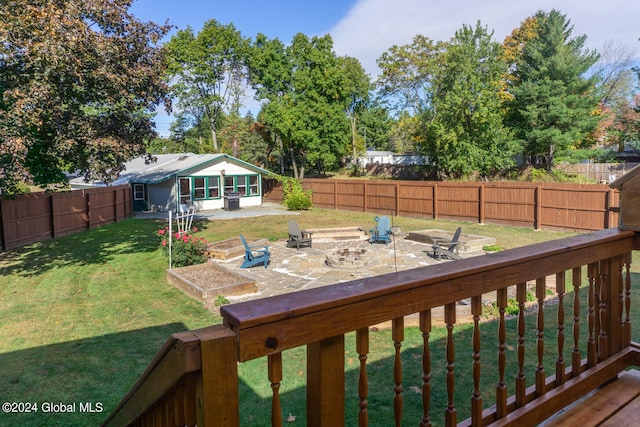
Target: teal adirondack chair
<point>254,255</point>
<point>382,231</point>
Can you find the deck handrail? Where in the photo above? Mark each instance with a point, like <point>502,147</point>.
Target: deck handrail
<point>268,326</point>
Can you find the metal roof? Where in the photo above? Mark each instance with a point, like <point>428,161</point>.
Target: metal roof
<point>167,166</point>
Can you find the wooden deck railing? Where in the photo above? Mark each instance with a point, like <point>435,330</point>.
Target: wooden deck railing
<point>194,379</point>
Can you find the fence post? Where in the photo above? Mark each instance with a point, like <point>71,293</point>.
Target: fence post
<point>608,214</point>
<point>3,244</point>
<point>87,196</point>
<point>481,204</point>
<point>537,218</point>
<point>52,207</point>
<point>397,199</point>
<point>365,195</point>
<point>335,195</point>
<point>435,201</point>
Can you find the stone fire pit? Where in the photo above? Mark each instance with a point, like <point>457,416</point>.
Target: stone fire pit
<point>350,258</point>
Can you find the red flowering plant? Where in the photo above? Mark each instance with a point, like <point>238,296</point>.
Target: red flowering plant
<point>186,249</point>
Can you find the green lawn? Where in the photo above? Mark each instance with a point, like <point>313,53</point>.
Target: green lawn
<point>83,315</point>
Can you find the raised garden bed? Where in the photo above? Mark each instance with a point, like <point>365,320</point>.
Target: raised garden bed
<point>206,281</point>
<point>468,242</point>
<point>231,248</point>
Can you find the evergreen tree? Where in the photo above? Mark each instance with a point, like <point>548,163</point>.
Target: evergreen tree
<point>554,103</point>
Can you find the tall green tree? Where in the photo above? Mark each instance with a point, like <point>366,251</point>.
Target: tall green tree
<point>407,73</point>
<point>78,83</point>
<point>464,129</point>
<point>554,103</point>
<point>207,71</point>
<point>376,124</point>
<point>305,93</point>
<point>357,99</point>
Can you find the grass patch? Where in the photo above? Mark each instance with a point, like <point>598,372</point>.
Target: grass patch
<point>83,315</point>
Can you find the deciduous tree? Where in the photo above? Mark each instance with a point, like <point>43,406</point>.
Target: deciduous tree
<point>207,70</point>
<point>78,81</point>
<point>464,129</point>
<point>306,93</point>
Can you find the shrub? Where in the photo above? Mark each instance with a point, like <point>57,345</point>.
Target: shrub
<point>186,249</point>
<point>295,197</point>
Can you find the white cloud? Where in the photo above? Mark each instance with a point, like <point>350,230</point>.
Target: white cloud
<point>372,26</point>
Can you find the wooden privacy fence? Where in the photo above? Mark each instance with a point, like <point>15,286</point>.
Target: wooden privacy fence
<point>586,207</point>
<point>35,217</point>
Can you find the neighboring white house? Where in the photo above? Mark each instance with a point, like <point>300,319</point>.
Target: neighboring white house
<point>198,180</point>
<point>372,157</point>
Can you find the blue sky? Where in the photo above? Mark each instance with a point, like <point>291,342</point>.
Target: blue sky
<point>364,29</point>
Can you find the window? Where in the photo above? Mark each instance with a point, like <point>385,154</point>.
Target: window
<point>228,184</point>
<point>213,189</point>
<point>199,188</point>
<point>253,185</point>
<point>138,191</point>
<point>242,185</point>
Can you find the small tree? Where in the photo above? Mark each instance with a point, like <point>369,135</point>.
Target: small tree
<point>295,198</point>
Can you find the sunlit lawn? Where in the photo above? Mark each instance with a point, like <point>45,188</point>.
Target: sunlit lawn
<point>82,316</point>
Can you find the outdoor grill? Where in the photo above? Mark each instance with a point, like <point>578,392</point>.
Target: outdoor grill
<point>231,201</point>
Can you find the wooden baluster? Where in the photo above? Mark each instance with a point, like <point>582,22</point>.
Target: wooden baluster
<point>627,301</point>
<point>476,398</point>
<point>178,402</point>
<point>425,328</point>
<point>521,386</point>
<point>501,387</point>
<point>560,364</point>
<point>274,367</point>
<point>170,407</point>
<point>592,348</point>
<point>540,372</point>
<point>603,313</point>
<point>397,334</point>
<point>189,401</point>
<point>450,320</point>
<point>362,347</point>
<point>576,356</point>
<point>618,286</point>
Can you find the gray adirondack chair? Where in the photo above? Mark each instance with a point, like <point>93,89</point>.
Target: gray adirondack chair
<point>297,237</point>
<point>447,248</point>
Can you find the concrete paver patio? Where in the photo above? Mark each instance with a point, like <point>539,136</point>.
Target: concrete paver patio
<point>293,270</point>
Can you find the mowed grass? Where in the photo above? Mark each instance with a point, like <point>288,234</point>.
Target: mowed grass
<point>82,316</point>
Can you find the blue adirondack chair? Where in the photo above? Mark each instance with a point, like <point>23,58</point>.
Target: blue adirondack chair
<point>382,231</point>
<point>254,255</point>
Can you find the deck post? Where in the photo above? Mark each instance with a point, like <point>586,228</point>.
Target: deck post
<point>325,383</point>
<point>217,400</point>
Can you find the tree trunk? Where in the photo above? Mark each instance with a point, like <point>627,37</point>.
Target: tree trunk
<point>353,140</point>
<point>294,164</point>
<point>551,156</point>
<point>214,136</point>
